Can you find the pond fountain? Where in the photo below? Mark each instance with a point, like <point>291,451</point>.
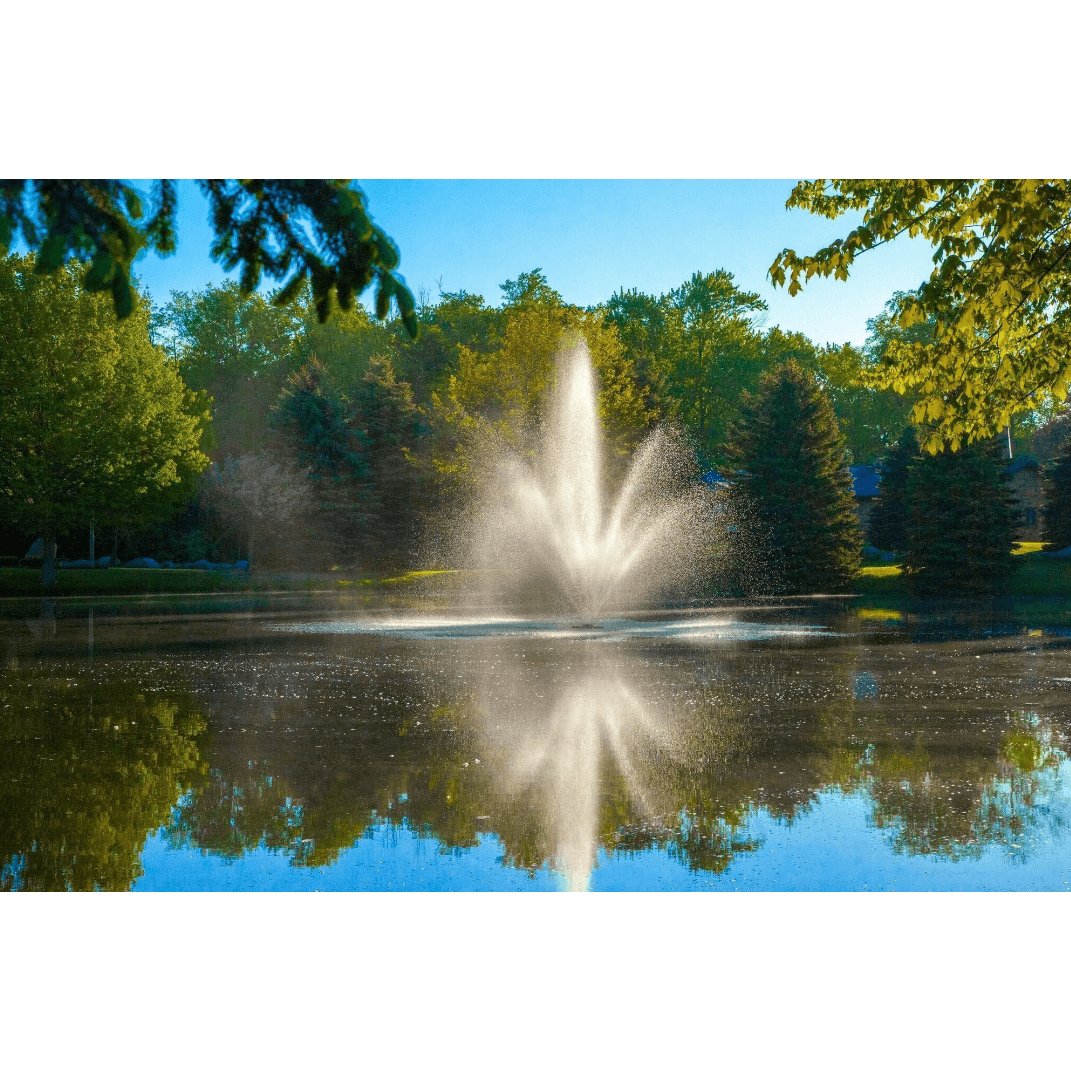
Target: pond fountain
<point>546,531</point>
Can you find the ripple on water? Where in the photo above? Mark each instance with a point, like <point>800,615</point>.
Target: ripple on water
<point>708,629</point>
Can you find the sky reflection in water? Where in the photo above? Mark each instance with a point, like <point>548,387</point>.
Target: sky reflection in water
<point>786,748</point>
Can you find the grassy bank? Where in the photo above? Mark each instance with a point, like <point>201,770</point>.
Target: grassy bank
<point>23,583</point>
<point>1034,577</point>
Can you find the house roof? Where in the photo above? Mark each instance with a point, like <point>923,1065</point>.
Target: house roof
<point>715,480</point>
<point>865,480</point>
<point>1019,464</point>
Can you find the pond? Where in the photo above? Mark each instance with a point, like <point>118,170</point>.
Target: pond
<point>317,743</point>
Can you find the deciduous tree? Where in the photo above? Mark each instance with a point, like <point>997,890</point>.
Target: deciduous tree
<point>998,299</point>
<point>496,399</point>
<point>95,423</point>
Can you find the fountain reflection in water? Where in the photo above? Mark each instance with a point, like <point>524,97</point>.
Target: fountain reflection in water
<point>582,752</point>
<point>543,529</point>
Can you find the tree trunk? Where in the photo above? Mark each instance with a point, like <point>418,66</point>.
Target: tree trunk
<point>92,548</point>
<point>48,558</point>
<point>115,549</point>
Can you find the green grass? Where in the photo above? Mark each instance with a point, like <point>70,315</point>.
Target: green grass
<point>1027,548</point>
<point>1043,577</point>
<point>22,583</point>
<point>1033,577</point>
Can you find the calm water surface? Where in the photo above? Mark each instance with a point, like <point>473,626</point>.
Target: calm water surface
<point>321,745</point>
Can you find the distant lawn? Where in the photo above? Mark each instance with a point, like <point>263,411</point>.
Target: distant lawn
<point>1033,577</point>
<point>1043,577</point>
<point>1027,548</point>
<point>20,582</point>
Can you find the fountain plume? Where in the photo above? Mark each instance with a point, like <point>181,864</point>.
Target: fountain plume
<point>544,529</point>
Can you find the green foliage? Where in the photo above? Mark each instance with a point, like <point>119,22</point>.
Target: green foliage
<point>640,322</point>
<point>90,220</point>
<point>314,232</point>
<point>391,428</point>
<point>497,396</point>
<point>96,424</point>
<point>888,522</point>
<point>312,419</point>
<point>712,354</point>
<point>1056,516</point>
<point>238,348</point>
<point>998,301</point>
<point>870,418</point>
<point>961,523</point>
<point>86,775</point>
<point>799,487</point>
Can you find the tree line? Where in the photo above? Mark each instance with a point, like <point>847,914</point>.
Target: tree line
<point>228,424</point>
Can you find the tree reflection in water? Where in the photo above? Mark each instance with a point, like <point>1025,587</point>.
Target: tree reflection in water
<point>566,752</point>
<point>87,773</point>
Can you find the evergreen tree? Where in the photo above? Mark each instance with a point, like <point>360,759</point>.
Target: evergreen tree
<point>320,439</point>
<point>392,430</point>
<point>1056,516</point>
<point>888,522</point>
<point>800,488</point>
<point>961,523</point>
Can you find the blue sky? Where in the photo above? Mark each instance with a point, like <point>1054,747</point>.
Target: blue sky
<point>592,237</point>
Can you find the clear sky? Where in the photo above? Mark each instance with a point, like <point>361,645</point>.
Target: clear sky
<point>592,237</point>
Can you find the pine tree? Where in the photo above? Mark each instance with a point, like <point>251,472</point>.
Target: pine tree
<point>800,488</point>
<point>317,437</point>
<point>392,428</point>
<point>888,522</point>
<point>1056,516</point>
<point>961,523</point>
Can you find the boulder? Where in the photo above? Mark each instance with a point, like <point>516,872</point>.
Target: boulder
<point>142,563</point>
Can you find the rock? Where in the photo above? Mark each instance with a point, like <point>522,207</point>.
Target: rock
<point>143,563</point>
<point>888,556</point>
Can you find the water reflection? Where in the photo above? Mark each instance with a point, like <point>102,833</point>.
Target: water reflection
<point>86,775</point>
<point>569,755</point>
